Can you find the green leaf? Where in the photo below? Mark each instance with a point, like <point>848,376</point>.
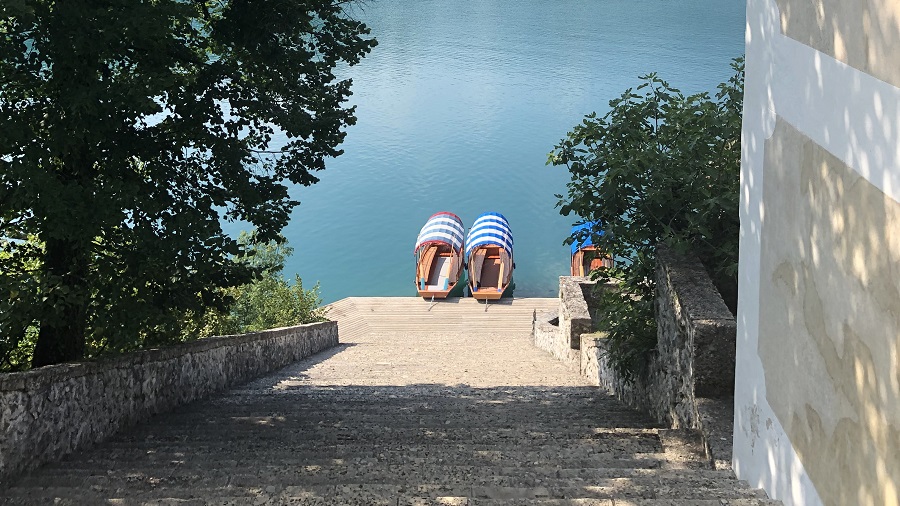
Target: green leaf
<point>658,167</point>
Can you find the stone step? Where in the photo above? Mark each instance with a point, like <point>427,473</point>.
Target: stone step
<point>598,415</point>
<point>398,416</point>
<point>76,476</point>
<point>374,473</point>
<point>298,403</point>
<point>274,424</point>
<point>331,456</point>
<point>288,385</point>
<point>596,412</point>
<point>377,493</point>
<point>597,438</point>
<point>292,382</point>
<point>461,395</point>
<point>584,429</point>
<point>278,450</point>
<point>300,499</point>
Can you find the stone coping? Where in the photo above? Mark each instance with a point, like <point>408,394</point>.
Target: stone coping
<point>697,295</point>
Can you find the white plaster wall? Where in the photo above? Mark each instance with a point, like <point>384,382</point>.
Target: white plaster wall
<point>856,118</point>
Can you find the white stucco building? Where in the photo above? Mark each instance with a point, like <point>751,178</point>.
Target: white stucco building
<point>817,396</point>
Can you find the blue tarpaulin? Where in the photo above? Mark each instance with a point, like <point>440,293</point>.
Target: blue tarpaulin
<point>587,228</point>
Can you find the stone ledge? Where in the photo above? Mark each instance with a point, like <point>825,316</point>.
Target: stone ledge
<point>690,378</point>
<point>698,298</point>
<point>574,315</point>
<point>696,314</point>
<point>48,412</point>
<point>549,337</point>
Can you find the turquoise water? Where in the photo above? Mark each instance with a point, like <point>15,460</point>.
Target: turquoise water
<point>459,105</point>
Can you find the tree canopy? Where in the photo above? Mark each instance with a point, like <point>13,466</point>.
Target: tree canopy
<point>129,129</point>
<point>658,168</point>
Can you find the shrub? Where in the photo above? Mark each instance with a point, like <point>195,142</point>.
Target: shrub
<point>659,167</point>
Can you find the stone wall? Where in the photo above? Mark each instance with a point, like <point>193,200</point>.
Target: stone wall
<point>49,412</point>
<point>690,378</point>
<point>696,329</point>
<point>549,337</point>
<point>574,315</point>
<point>559,332</point>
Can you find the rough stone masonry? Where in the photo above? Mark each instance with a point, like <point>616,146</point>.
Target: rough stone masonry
<point>49,412</point>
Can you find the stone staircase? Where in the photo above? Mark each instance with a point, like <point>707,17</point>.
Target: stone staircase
<point>421,404</point>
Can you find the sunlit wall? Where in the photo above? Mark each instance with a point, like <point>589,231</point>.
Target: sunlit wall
<point>817,397</point>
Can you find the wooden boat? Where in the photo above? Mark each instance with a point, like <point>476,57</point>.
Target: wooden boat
<point>489,256</point>
<point>438,252</point>
<point>586,256</point>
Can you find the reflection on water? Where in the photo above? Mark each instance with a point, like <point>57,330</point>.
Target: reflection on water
<point>458,107</point>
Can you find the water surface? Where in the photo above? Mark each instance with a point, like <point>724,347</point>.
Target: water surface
<point>459,105</point>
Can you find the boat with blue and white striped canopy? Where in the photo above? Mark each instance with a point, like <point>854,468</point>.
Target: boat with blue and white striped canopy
<point>489,256</point>
<point>438,253</point>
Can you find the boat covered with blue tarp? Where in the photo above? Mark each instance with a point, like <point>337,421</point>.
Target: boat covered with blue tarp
<point>587,256</point>
<point>489,256</point>
<point>439,255</point>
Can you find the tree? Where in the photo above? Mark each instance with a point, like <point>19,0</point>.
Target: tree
<point>128,129</point>
<point>658,168</point>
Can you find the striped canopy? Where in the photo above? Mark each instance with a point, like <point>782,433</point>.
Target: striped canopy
<point>444,228</point>
<point>490,229</point>
<point>586,227</point>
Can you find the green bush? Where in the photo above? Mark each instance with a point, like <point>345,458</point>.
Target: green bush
<point>271,302</point>
<point>267,302</point>
<point>658,168</point>
<point>19,298</point>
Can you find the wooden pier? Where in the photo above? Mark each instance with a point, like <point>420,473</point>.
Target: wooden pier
<point>359,316</point>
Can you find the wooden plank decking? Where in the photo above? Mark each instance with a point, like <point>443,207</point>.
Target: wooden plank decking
<point>360,316</point>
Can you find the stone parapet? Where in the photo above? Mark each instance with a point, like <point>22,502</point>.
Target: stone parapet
<point>549,337</point>
<point>689,380</point>
<point>49,412</point>
<point>574,315</point>
<point>695,326</point>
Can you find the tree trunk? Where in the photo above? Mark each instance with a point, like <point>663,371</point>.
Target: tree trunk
<point>64,312</point>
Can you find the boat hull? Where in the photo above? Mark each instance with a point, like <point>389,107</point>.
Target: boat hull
<point>489,257</point>
<point>492,295</point>
<point>587,259</point>
<point>438,273</point>
<point>454,291</point>
<point>490,273</point>
<point>439,257</point>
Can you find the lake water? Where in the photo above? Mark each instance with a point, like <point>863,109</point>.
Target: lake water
<point>458,107</point>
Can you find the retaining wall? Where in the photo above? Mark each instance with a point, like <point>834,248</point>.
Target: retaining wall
<point>559,332</point>
<point>49,412</point>
<point>690,377</point>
